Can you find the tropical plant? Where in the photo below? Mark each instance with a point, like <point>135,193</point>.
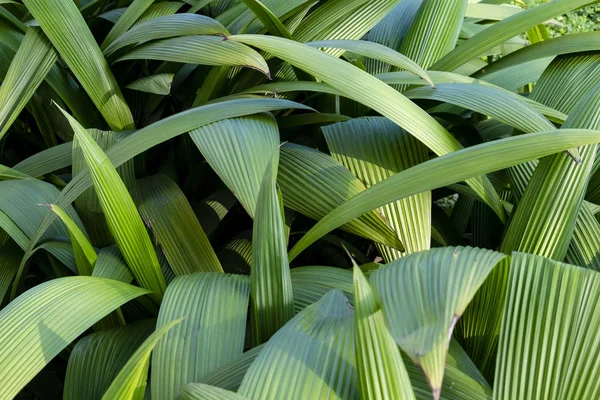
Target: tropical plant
<point>298,199</point>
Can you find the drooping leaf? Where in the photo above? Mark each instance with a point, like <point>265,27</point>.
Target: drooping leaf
<point>85,255</point>
<point>44,320</point>
<point>200,391</point>
<point>368,90</point>
<point>155,84</point>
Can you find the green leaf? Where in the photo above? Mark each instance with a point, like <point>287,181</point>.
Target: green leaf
<point>230,375</point>
<point>368,90</point>
<point>215,307</point>
<point>165,27</point>
<point>200,391</point>
<point>67,30</point>
<point>374,149</point>
<point>111,265</point>
<point>10,257</point>
<point>307,174</point>
<point>44,320</point>
<point>85,255</point>
<point>156,84</point>
<point>130,383</point>
<point>270,21</point>
<point>272,302</point>
<point>312,283</point>
<point>316,347</point>
<point>167,212</point>
<point>239,151</point>
<point>434,32</point>
<point>199,49</point>
<point>97,359</point>
<point>504,30</point>
<point>580,42</point>
<point>131,14</point>
<point>422,319</point>
<point>213,209</point>
<point>381,371</point>
<point>27,70</point>
<point>557,187</point>
<point>121,214</point>
<point>439,172</point>
<point>377,52</point>
<point>548,343</point>
<point>159,132</point>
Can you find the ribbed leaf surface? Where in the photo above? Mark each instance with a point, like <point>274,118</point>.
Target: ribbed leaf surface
<point>27,70</point>
<point>215,308</point>
<point>374,149</point>
<point>167,212</point>
<point>381,371</point>
<point>423,295</point>
<point>44,320</point>
<point>548,342</point>
<point>97,359</point>
<point>155,84</point>
<point>272,301</point>
<point>239,151</point>
<point>121,214</point>
<point>316,347</point>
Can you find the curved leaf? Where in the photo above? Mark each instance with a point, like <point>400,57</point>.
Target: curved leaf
<point>35,329</point>
<point>199,49</point>
<point>155,84</point>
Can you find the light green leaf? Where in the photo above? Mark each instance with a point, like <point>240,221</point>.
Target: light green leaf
<point>272,302</point>
<point>215,307</point>
<point>316,347</point>
<point>85,255</point>
<point>381,371</point>
<point>548,343</point>
<point>167,212</point>
<point>44,320</point>
<point>67,30</point>
<point>121,214</point>
<point>27,70</point>
<point>97,359</point>
<point>436,287</point>
<point>130,383</point>
<point>199,49</point>
<point>368,90</point>
<point>378,52</point>
<point>111,265</point>
<point>156,84</point>
<point>230,375</point>
<point>165,27</point>
<point>439,172</point>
